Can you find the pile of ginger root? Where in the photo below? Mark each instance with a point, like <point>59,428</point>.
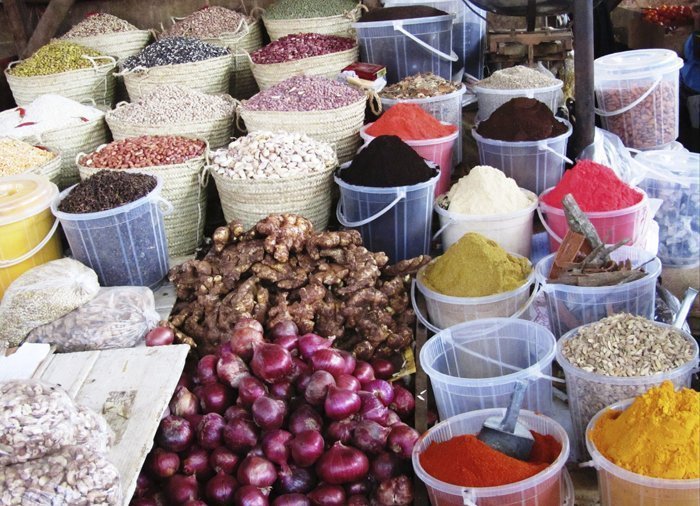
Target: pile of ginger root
<point>280,269</point>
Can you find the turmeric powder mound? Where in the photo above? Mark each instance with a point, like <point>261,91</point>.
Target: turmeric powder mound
<point>658,435</point>
<point>476,266</point>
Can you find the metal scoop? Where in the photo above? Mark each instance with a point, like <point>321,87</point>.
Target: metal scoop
<point>686,304</point>
<point>507,435</point>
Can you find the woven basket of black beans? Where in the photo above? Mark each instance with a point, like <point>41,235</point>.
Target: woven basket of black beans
<point>107,189</point>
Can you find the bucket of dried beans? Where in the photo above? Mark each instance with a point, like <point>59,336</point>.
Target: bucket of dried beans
<point>179,162</point>
<point>329,17</point>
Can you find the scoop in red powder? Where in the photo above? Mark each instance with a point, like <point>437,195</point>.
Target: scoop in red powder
<point>410,123</point>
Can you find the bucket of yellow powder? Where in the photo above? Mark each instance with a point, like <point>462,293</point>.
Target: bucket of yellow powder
<point>27,228</point>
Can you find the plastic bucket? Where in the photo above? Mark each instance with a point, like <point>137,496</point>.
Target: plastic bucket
<point>408,46</point>
<point>438,151</point>
<point>27,228</point>
<point>590,392</point>
<point>491,99</point>
<point>512,231</point>
<point>572,306</point>
<point>125,246</point>
<point>620,487</point>
<point>446,108</point>
<point>637,96</point>
<point>396,220</point>
<point>476,365</point>
<point>535,165</point>
<point>630,223</point>
<point>550,487</point>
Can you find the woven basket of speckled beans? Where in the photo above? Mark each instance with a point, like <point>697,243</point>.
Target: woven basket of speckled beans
<point>329,25</point>
<point>118,44</point>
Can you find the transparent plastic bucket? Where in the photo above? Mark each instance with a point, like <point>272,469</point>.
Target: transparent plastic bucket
<point>512,231</point>
<point>535,165</point>
<point>620,487</point>
<point>125,246</point>
<point>572,306</point>
<point>631,223</point>
<point>637,96</point>
<point>438,151</point>
<point>491,99</point>
<point>408,46</point>
<point>550,487</point>
<point>446,108</point>
<point>476,365</point>
<point>590,392</point>
<point>396,220</point>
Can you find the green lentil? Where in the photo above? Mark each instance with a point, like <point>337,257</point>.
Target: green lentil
<point>297,9</point>
<point>53,58</point>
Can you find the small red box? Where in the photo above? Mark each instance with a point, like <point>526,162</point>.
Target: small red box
<point>368,71</point>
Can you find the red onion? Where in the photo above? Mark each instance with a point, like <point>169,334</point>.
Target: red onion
<point>175,433</point>
<point>271,362</point>
<point>249,389</point>
<point>341,431</point>
<point>340,403</point>
<point>304,418</point>
<point>243,342</point>
<point>370,437</point>
<point>381,389</point>
<point>240,435</point>
<point>372,408</point>
<point>225,347</point>
<point>220,489</point>
<point>358,500</point>
<point>206,370</point>
<point>163,464</point>
<point>397,491</point>
<point>185,381</point>
<point>256,451</point>
<point>181,488</point>
<point>249,323</point>
<point>383,369</point>
<point>291,500</point>
<point>306,447</point>
<point>215,398</point>
<point>348,382</point>
<point>350,361</point>
<point>284,328</point>
<point>146,501</point>
<point>256,471</point>
<point>294,479</point>
<point>391,419</point>
<point>327,495</point>
<point>144,483</point>
<point>268,413</point>
<point>223,460</point>
<point>403,403</point>
<point>160,336</point>
<point>386,466</point>
<point>289,343</point>
<point>309,343</point>
<point>274,446</point>
<point>402,439</point>
<point>360,487</point>
<point>184,402</point>
<point>233,412</point>
<point>315,393</point>
<point>193,419</point>
<point>328,360</point>
<point>248,495</point>
<point>196,461</point>
<point>282,390</point>
<point>301,373</point>
<point>363,371</point>
<point>209,431</point>
<point>230,369</point>
<point>342,464</point>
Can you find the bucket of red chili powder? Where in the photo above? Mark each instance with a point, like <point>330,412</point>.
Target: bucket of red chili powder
<point>488,477</point>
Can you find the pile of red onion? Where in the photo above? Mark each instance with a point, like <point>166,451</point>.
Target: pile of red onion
<point>291,422</point>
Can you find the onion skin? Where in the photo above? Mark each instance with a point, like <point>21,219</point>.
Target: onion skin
<point>181,488</point>
<point>248,495</point>
<point>163,464</point>
<point>342,464</point>
<point>249,389</point>
<point>383,369</point>
<point>397,491</point>
<point>309,343</point>
<point>402,439</point>
<point>363,371</point>
<point>291,500</point>
<point>370,437</point>
<point>206,370</point>
<point>275,446</point>
<point>223,460</point>
<point>304,418</point>
<point>306,448</point>
<point>175,434</point>
<point>240,435</point>
<point>220,489</point>
<point>210,431</point>
<point>230,369</point>
<point>268,413</point>
<point>327,495</point>
<point>341,403</point>
<point>160,336</point>
<point>215,398</point>
<point>271,362</point>
<point>256,471</point>
<point>184,402</point>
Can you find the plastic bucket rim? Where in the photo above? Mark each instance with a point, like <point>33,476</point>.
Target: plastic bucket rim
<point>516,91</point>
<point>524,144</point>
<point>462,218</point>
<point>607,70</point>
<point>37,211</point>
<point>416,142</point>
<point>426,100</point>
<point>388,190</point>
<point>407,21</point>
<point>555,467</point>
<point>651,161</point>
<point>546,208</point>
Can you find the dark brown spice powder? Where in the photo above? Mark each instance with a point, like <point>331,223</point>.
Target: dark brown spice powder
<point>521,119</point>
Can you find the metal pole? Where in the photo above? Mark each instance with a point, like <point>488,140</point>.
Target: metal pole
<point>583,68</point>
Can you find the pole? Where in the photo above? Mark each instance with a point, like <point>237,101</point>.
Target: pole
<point>48,24</point>
<point>583,68</point>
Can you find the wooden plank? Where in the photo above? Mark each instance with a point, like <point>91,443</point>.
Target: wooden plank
<point>422,395</point>
<point>48,25</point>
<point>18,18</point>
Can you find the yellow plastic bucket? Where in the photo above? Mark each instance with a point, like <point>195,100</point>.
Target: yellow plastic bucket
<point>27,228</point>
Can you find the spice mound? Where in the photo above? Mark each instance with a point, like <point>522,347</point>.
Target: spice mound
<point>173,51</point>
<point>595,188</point>
<point>17,157</point>
<point>210,21</point>
<point>407,12</point>
<point>297,9</point>
<point>409,122</point>
<point>305,93</point>
<point>625,345</point>
<point>521,119</point>
<point>301,45</point>
<point>518,77</point>
<point>106,190</point>
<point>98,24</point>
<point>467,462</point>
<point>658,435</point>
<point>476,266</point>
<point>387,161</point>
<point>54,58</point>
<point>145,151</point>
<point>421,85</point>
<point>486,190</point>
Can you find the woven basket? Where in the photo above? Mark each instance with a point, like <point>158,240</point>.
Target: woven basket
<point>185,188</point>
<point>50,169</point>
<point>250,200</point>
<point>97,84</point>
<point>118,44</point>
<point>331,25</point>
<point>217,132</point>
<point>208,76</point>
<point>339,127</point>
<point>326,65</point>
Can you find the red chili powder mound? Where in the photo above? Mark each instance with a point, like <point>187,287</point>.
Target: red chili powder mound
<point>410,123</point>
<point>595,188</point>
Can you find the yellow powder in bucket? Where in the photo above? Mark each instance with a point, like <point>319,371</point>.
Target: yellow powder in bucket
<point>476,266</point>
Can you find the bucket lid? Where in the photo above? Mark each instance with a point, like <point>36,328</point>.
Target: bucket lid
<point>636,64</point>
<point>676,166</point>
<point>24,196</point>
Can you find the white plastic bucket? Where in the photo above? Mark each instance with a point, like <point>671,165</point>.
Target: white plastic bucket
<point>476,365</point>
<point>512,231</point>
<point>550,487</point>
<point>396,220</point>
<point>408,46</point>
<point>590,392</point>
<point>535,165</point>
<point>637,95</point>
<point>592,303</point>
<point>491,99</point>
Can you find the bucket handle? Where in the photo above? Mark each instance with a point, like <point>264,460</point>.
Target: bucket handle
<point>352,224</point>
<point>165,206</point>
<point>546,226</point>
<point>398,26</point>
<point>447,225</point>
<point>632,104</point>
<point>542,146</point>
<point>9,263</point>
